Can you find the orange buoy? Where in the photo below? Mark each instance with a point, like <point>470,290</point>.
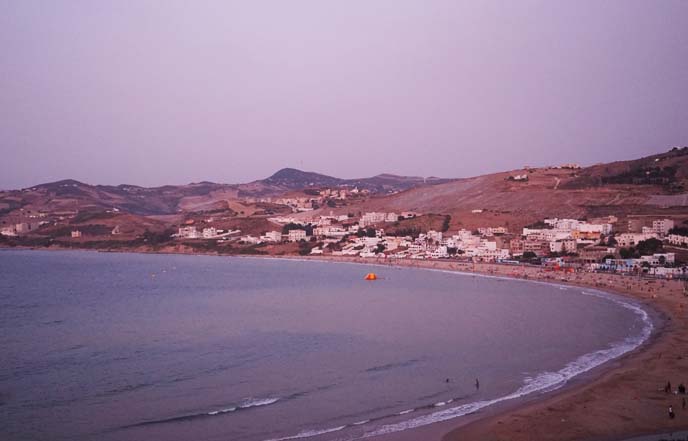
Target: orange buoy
<point>371,276</point>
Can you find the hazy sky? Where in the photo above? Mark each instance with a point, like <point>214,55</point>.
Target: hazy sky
<point>151,92</point>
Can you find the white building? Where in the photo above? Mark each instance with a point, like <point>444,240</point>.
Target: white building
<point>435,235</point>
<point>188,233</point>
<point>76,234</point>
<point>330,231</point>
<point>8,231</point>
<point>626,240</point>
<point>571,225</point>
<point>416,248</point>
<point>392,243</point>
<point>563,224</point>
<point>491,231</point>
<point>272,236</point>
<point>296,235</point>
<point>595,228</point>
<point>209,233</point>
<point>439,253</point>
<point>675,239</point>
<point>563,246</point>
<point>372,218</point>
<point>391,217</point>
<point>250,239</point>
<point>370,241</point>
<point>662,226</point>
<point>659,259</point>
<point>543,234</point>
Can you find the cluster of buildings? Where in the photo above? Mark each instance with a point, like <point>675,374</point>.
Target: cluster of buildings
<point>594,242</point>
<point>637,232</point>
<point>561,236</point>
<point>563,242</point>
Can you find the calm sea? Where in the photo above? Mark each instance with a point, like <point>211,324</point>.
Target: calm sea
<point>164,347</point>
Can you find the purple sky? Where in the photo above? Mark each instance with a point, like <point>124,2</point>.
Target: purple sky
<point>155,92</point>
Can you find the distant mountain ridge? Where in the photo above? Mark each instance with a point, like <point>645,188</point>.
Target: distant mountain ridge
<point>294,179</point>
<point>70,194</point>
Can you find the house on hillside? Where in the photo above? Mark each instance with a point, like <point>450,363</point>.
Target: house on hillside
<point>296,235</point>
<point>272,236</point>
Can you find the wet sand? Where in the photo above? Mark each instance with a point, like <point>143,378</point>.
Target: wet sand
<point>624,398</point>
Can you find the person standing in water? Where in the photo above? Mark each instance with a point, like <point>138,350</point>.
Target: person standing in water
<point>477,384</point>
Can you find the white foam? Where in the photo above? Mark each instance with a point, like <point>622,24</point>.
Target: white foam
<point>247,404</point>
<point>258,402</point>
<point>216,412</point>
<point>358,423</point>
<point>404,412</point>
<point>309,433</point>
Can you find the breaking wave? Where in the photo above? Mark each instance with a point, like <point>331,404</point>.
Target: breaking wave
<point>310,433</point>
<point>245,405</point>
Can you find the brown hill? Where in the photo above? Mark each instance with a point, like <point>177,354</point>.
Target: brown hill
<point>620,188</point>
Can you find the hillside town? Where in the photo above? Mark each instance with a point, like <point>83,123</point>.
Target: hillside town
<point>648,247</point>
<point>656,246</point>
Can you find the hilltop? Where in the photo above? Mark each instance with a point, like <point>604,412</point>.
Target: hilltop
<point>289,179</point>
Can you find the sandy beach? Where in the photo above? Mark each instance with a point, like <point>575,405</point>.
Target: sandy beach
<point>622,399</point>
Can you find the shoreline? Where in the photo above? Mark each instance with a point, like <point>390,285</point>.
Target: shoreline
<point>622,398</point>
<point>604,404</point>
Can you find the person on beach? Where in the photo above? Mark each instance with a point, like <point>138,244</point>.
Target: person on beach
<point>682,388</point>
<point>671,412</point>
<point>667,388</point>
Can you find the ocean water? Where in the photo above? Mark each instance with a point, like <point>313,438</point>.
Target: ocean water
<point>164,347</point>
